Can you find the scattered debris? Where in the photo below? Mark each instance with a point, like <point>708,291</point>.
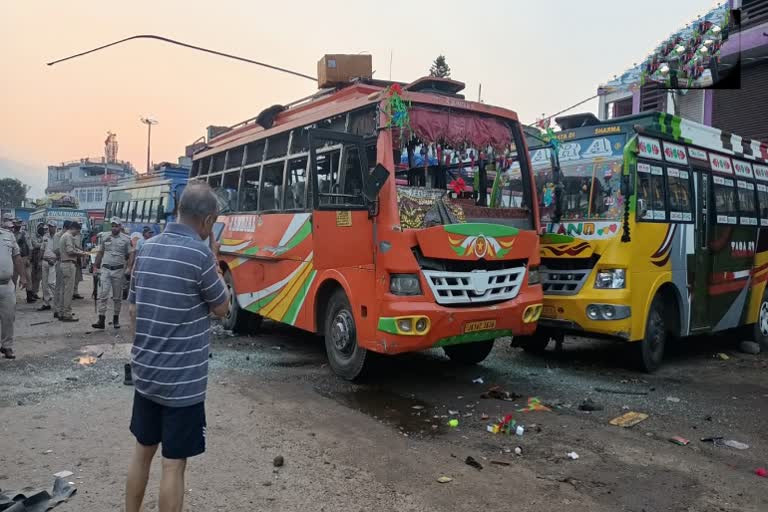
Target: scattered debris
<point>40,500</point>
<point>445,479</point>
<point>86,360</point>
<point>470,461</point>
<point>453,423</point>
<point>679,440</point>
<point>716,440</point>
<point>73,379</point>
<point>417,407</point>
<point>673,399</point>
<point>589,405</point>
<point>46,452</point>
<point>518,450</point>
<point>63,474</point>
<point>452,412</point>
<point>279,461</point>
<point>500,463</point>
<point>40,323</point>
<point>496,393</point>
<point>621,391</point>
<point>762,472</point>
<point>478,380</point>
<point>629,419</point>
<point>520,430</point>
<point>572,455</point>
<point>722,356</point>
<point>534,404</point>
<point>484,416</point>
<point>749,347</point>
<point>736,444</point>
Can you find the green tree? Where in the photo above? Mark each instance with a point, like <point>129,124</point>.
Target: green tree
<point>440,69</point>
<point>12,193</point>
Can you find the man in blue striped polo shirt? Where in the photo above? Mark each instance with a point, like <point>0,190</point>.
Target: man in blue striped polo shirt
<point>176,286</point>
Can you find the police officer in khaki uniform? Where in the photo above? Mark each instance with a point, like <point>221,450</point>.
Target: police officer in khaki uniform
<point>48,260</point>
<point>10,263</point>
<point>22,240</point>
<point>36,258</point>
<point>69,255</point>
<point>59,281</point>
<point>114,260</point>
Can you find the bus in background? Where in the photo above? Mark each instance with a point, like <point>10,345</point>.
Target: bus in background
<point>322,235</point>
<point>147,199</point>
<point>59,207</point>
<point>656,227</point>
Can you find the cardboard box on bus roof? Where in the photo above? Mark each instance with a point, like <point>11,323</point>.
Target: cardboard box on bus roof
<point>339,69</point>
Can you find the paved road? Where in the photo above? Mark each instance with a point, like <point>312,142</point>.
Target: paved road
<point>382,444</point>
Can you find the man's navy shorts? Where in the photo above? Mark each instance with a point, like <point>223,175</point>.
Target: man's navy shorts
<point>180,430</point>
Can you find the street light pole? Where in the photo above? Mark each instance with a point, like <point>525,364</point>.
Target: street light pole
<point>149,122</point>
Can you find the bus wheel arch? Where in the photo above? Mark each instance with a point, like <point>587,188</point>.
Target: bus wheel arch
<point>662,322</point>
<point>238,319</point>
<point>761,324</point>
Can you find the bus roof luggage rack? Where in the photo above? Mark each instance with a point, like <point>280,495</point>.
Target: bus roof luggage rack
<point>576,121</point>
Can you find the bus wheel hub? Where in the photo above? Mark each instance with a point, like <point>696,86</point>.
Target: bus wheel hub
<point>342,332</point>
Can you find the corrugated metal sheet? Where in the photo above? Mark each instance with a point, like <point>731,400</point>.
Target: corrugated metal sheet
<point>753,12</point>
<point>691,105</point>
<point>653,98</point>
<point>745,111</point>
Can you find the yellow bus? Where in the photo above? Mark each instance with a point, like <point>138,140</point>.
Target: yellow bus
<point>654,227</point>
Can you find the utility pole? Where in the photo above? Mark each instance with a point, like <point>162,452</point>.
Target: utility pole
<point>149,122</point>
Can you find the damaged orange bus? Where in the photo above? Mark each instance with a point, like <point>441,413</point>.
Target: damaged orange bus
<point>388,217</point>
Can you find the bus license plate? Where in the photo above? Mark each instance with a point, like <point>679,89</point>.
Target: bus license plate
<point>481,325</point>
<point>548,311</point>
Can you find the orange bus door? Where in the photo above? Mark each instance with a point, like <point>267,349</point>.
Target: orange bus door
<point>342,227</point>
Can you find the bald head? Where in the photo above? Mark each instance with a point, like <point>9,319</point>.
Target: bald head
<point>198,208</point>
<point>198,202</point>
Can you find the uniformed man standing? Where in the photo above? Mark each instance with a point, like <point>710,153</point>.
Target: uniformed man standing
<point>10,263</point>
<point>57,293</point>
<point>48,260</point>
<point>36,259</point>
<point>69,256</point>
<point>78,267</point>
<point>114,260</point>
<point>22,240</point>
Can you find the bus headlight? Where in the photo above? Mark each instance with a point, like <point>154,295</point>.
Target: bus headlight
<point>533,275</point>
<point>404,284</point>
<point>611,278</point>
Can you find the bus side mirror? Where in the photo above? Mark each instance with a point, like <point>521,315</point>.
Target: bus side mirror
<point>374,182</point>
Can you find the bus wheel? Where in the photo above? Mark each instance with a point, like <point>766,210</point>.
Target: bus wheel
<point>761,326</point>
<point>534,344</point>
<point>649,352</point>
<point>237,319</point>
<point>469,353</point>
<point>346,357</point>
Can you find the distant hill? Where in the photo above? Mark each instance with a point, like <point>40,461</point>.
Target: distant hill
<point>36,176</point>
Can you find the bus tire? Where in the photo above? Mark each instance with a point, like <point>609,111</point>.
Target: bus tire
<point>346,357</point>
<point>237,320</point>
<point>649,352</point>
<point>469,353</point>
<point>534,344</point>
<point>761,326</point>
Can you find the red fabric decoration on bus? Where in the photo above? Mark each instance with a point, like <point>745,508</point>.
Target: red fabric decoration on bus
<point>458,128</point>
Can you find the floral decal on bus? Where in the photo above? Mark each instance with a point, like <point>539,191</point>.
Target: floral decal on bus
<point>481,246</point>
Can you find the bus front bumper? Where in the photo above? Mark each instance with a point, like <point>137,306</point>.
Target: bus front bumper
<point>603,314</point>
<point>399,323</point>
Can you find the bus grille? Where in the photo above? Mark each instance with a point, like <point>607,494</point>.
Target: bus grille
<point>478,286</point>
<point>562,282</point>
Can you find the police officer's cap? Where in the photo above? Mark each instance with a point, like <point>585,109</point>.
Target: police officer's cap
<point>117,221</point>
<point>67,224</point>
<point>51,222</point>
<point>7,217</point>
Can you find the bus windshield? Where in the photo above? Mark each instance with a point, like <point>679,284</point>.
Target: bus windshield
<point>591,177</point>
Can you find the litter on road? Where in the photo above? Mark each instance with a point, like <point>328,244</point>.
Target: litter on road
<point>722,356</point>
<point>629,419</point>
<point>572,455</point>
<point>445,479</point>
<point>534,404</point>
<point>453,423</point>
<point>679,440</point>
<point>470,461</point>
<point>478,380</point>
<point>736,444</point>
<point>762,472</point>
<point>588,405</point>
<point>673,399</point>
<point>495,392</point>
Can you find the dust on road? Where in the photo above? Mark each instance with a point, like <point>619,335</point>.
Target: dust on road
<point>383,443</point>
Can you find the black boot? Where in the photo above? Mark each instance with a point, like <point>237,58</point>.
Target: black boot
<point>128,380</point>
<point>100,323</point>
<point>116,322</point>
